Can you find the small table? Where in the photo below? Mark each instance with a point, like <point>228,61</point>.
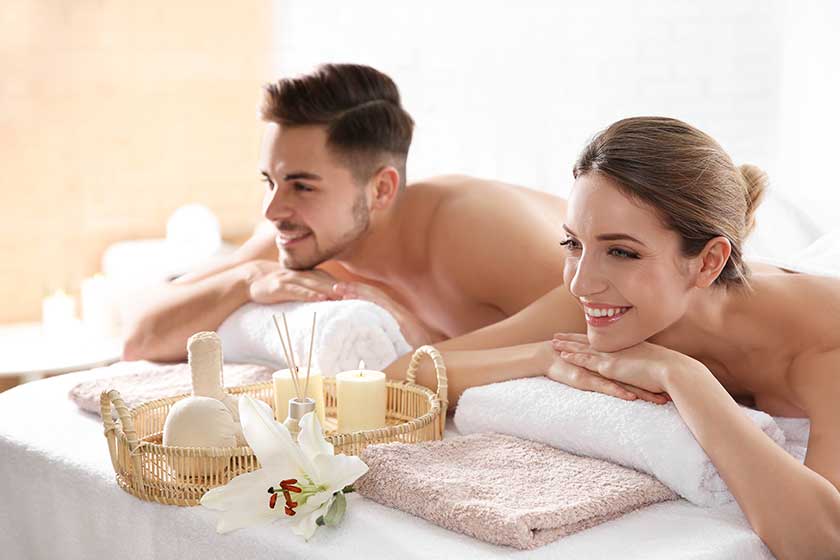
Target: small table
<point>27,352</point>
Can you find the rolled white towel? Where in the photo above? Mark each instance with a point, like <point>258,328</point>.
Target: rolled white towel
<point>640,435</point>
<point>347,331</point>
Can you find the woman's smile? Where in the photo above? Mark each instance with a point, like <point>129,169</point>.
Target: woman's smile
<point>602,315</point>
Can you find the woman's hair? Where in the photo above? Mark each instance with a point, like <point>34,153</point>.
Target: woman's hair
<point>687,177</point>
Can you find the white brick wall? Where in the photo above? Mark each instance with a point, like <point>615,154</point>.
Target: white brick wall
<point>513,90</point>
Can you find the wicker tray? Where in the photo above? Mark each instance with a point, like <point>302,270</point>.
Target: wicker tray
<point>181,475</point>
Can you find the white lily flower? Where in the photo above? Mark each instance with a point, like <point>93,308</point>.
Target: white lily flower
<point>307,476</point>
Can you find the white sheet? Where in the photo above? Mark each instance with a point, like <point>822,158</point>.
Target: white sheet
<point>60,500</point>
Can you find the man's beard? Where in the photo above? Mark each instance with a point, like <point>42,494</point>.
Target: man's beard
<point>361,223</point>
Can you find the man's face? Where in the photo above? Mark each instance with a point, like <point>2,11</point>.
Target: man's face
<point>313,201</point>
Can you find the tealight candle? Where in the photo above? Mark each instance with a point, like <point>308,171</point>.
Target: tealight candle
<point>284,389</point>
<point>361,396</point>
<point>58,313</point>
<point>98,313</point>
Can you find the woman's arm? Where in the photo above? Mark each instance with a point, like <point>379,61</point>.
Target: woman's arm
<point>512,348</point>
<point>793,509</point>
<point>469,368</point>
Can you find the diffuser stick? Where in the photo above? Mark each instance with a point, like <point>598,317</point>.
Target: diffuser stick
<point>292,352</point>
<point>309,361</point>
<point>286,353</point>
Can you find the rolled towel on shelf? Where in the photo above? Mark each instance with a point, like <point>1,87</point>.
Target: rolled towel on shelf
<point>348,331</point>
<point>644,436</point>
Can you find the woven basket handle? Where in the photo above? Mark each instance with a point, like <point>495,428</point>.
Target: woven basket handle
<point>440,369</point>
<point>126,423</point>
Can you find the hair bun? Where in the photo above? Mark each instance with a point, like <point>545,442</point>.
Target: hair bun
<point>755,183</point>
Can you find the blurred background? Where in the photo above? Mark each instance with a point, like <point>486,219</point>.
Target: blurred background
<point>116,114</point>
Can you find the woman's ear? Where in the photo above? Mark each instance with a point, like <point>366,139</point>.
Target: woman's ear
<point>386,186</point>
<point>711,260</point>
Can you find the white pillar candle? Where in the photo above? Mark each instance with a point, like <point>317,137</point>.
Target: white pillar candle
<point>58,313</point>
<point>284,389</point>
<point>98,310</point>
<point>361,396</point>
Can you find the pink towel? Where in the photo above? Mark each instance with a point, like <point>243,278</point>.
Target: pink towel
<point>502,489</point>
<point>143,381</point>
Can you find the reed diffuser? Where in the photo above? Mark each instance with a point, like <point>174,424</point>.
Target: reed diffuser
<point>301,404</point>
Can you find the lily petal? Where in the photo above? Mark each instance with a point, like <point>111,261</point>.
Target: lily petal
<point>306,525</point>
<point>314,502</point>
<point>339,470</point>
<point>311,438</point>
<point>271,441</point>
<point>238,519</point>
<point>243,501</point>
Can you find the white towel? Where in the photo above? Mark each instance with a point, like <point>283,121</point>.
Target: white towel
<point>637,434</point>
<point>347,331</point>
<point>821,258</point>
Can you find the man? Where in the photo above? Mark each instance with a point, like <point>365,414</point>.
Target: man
<point>445,256</point>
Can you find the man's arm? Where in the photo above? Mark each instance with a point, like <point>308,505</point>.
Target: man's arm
<point>168,314</point>
<point>174,312</point>
<point>165,316</point>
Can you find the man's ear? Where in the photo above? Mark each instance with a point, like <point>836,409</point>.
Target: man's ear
<point>711,261</point>
<point>386,186</point>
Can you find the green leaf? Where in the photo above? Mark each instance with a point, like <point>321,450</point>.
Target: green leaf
<point>348,489</point>
<point>336,511</point>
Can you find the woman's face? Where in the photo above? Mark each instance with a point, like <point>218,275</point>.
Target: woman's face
<point>624,267</point>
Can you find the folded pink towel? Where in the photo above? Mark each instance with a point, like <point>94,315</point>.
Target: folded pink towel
<point>143,381</point>
<point>502,489</point>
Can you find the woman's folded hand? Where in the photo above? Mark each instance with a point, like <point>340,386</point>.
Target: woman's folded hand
<point>580,377</point>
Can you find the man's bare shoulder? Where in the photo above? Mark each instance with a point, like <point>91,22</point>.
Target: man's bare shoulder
<point>468,206</point>
<point>456,188</point>
<point>493,238</point>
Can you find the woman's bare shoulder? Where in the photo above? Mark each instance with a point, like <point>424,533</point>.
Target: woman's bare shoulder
<point>806,309</point>
<point>800,292</point>
<point>799,311</point>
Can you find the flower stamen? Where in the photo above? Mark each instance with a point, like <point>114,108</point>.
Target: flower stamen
<point>290,485</point>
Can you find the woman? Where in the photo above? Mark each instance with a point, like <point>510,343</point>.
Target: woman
<point>654,231</point>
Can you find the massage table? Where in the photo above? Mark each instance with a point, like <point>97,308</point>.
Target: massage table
<point>60,500</point>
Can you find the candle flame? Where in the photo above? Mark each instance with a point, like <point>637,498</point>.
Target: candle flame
<point>361,364</point>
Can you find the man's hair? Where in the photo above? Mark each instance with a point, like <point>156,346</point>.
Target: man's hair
<point>366,125</point>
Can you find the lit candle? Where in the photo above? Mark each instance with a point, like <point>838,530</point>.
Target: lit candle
<point>98,312</point>
<point>361,396</point>
<point>58,313</point>
<point>284,389</point>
